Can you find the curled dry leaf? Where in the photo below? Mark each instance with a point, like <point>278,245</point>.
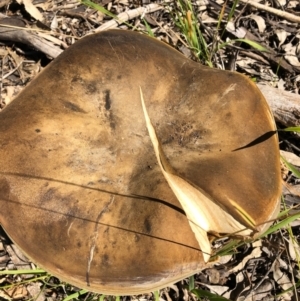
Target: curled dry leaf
<point>291,54</point>
<point>32,10</point>
<point>294,249</point>
<point>282,279</point>
<point>281,35</point>
<point>261,24</point>
<point>256,252</point>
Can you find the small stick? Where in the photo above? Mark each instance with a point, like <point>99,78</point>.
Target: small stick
<point>274,11</point>
<point>128,15</point>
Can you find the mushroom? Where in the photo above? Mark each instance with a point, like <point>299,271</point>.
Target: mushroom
<point>82,189</point>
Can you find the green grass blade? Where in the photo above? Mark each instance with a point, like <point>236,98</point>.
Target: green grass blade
<point>232,10</point>
<point>19,272</point>
<point>75,295</point>
<point>148,28</point>
<point>42,278</point>
<point>210,296</point>
<point>104,11</point>
<point>191,283</point>
<point>291,129</point>
<point>156,295</point>
<point>98,7</point>
<point>102,297</point>
<point>291,167</point>
<point>281,224</point>
<point>253,44</point>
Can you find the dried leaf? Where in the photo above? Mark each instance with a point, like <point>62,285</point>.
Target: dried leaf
<point>294,250</point>
<point>282,279</point>
<point>217,289</point>
<point>14,293</point>
<point>281,35</point>
<point>32,10</point>
<point>54,23</point>
<point>256,252</point>
<point>239,32</point>
<point>35,291</point>
<point>290,157</point>
<point>264,290</point>
<point>291,55</point>
<point>260,22</point>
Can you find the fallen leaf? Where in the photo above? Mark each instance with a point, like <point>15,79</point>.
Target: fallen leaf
<point>291,55</point>
<point>281,35</point>
<point>290,157</point>
<point>259,21</point>
<point>283,280</point>
<point>35,292</point>
<point>14,293</point>
<point>32,10</point>
<point>256,252</point>
<point>294,250</point>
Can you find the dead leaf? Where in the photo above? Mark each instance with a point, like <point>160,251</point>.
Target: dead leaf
<point>290,157</point>
<point>14,293</point>
<point>294,250</point>
<point>35,292</point>
<point>256,252</point>
<point>259,21</point>
<point>32,10</point>
<point>291,54</point>
<point>3,52</point>
<point>213,275</point>
<point>54,23</point>
<point>282,279</point>
<point>264,290</point>
<point>281,35</point>
<point>239,32</point>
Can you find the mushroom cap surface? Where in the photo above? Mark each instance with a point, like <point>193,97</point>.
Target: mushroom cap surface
<point>81,192</point>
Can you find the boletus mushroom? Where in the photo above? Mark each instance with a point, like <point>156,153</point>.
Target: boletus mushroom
<point>120,157</point>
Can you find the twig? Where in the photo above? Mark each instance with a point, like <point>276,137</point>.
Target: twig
<point>31,39</point>
<point>260,282</point>
<point>10,72</point>
<point>274,11</point>
<point>22,35</point>
<point>128,15</point>
<point>285,105</point>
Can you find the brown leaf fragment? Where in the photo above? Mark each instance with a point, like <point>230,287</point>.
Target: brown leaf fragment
<point>32,10</point>
<point>282,280</point>
<point>290,157</point>
<point>4,2</point>
<point>256,252</point>
<point>18,258</point>
<point>291,54</point>
<point>14,293</point>
<point>261,24</point>
<point>264,290</point>
<point>34,289</point>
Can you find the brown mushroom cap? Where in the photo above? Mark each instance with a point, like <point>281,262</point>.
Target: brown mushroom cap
<point>80,189</point>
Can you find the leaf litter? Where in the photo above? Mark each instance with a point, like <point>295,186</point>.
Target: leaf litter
<point>263,270</point>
